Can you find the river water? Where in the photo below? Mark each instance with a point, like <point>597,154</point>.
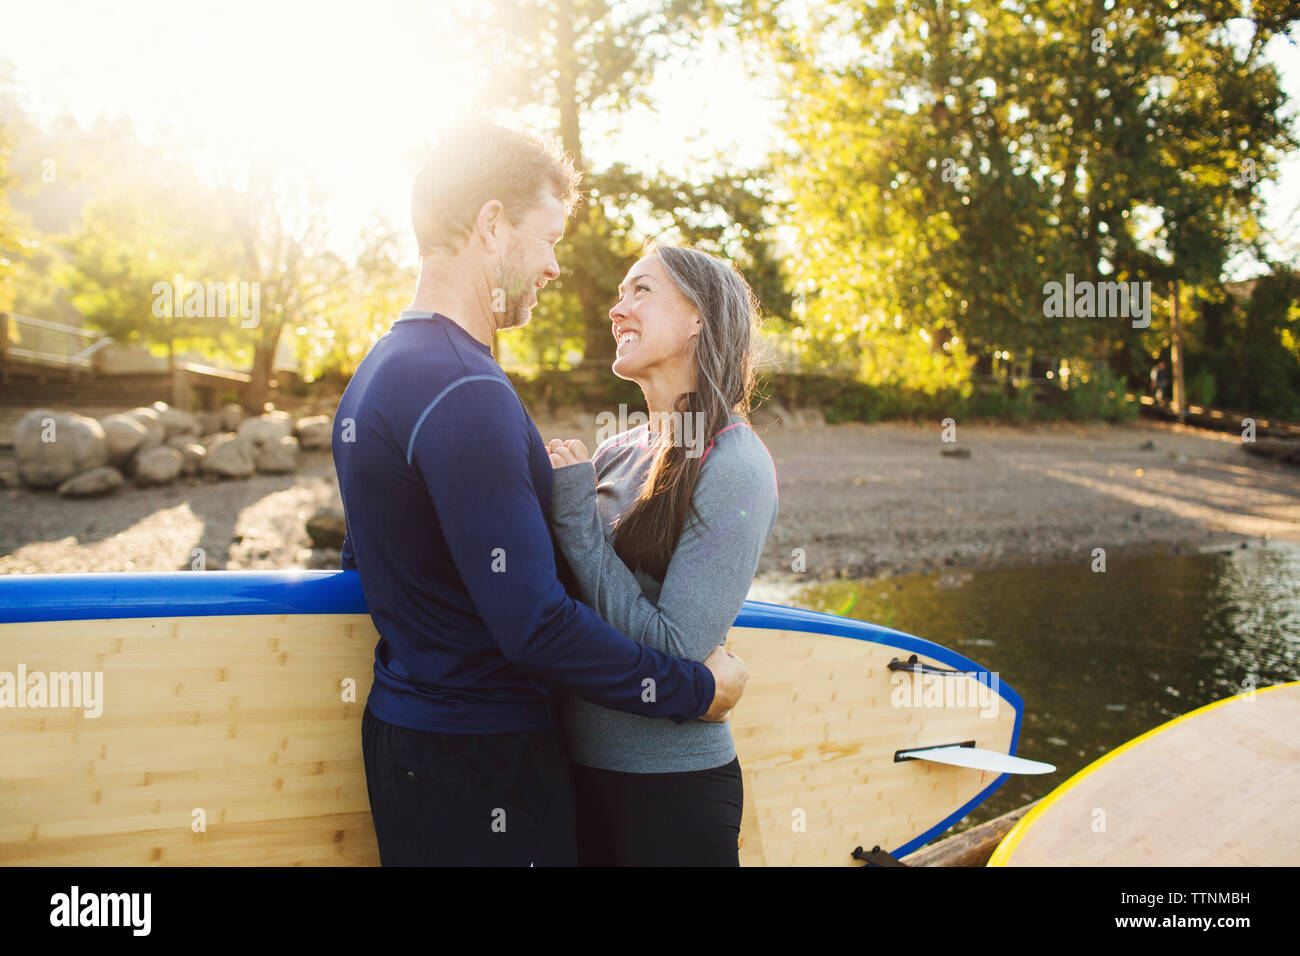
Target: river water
<point>1098,657</point>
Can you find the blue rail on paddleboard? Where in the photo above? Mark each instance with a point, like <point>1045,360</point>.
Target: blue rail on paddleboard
<point>82,597</point>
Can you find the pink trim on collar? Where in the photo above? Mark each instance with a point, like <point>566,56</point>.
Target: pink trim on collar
<point>715,438</point>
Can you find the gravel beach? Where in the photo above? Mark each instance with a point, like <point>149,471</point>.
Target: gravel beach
<point>855,501</point>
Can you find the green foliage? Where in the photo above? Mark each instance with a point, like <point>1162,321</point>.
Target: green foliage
<point>126,243</point>
<point>571,389</point>
<point>1246,346</point>
<point>150,219</point>
<point>943,161</point>
<point>1098,394</point>
<point>843,398</point>
<point>594,257</point>
<point>1270,348</point>
<point>1201,387</point>
<point>578,63</point>
<point>948,160</point>
<point>355,305</point>
<point>985,402</point>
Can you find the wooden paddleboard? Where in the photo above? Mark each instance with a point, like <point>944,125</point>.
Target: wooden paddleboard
<point>1214,787</point>
<point>225,728</point>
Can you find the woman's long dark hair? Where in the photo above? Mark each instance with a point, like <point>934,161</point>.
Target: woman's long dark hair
<point>723,375</point>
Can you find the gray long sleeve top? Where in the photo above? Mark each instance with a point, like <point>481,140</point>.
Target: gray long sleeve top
<point>687,614</point>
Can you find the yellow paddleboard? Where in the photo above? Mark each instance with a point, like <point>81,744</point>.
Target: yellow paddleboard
<point>1215,787</point>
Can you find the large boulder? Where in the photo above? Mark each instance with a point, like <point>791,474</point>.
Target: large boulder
<point>124,435</point>
<point>210,422</point>
<point>327,528</point>
<point>176,422</point>
<point>277,458</point>
<point>229,457</point>
<point>279,416</point>
<point>267,429</point>
<point>158,466</point>
<point>808,418</point>
<point>88,484</point>
<point>191,451</point>
<point>314,432</point>
<point>231,416</point>
<point>52,446</point>
<point>152,421</point>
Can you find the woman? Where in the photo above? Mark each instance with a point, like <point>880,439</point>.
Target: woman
<point>663,528</point>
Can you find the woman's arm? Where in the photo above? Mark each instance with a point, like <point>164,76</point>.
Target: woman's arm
<point>711,570</point>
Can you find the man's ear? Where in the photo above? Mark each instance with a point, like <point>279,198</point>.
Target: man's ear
<point>488,224</point>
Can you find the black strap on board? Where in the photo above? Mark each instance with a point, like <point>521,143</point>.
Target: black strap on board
<point>914,666</point>
<point>877,857</point>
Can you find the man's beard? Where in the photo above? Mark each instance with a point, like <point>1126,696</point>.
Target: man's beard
<point>515,291</point>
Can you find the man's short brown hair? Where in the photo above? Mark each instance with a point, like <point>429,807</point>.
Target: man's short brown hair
<point>477,162</point>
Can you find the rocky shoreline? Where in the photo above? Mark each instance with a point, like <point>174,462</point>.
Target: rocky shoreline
<point>85,457</point>
<point>855,501</point>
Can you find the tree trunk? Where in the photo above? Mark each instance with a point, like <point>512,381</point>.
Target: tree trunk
<point>599,347</point>
<point>598,344</point>
<point>567,84</point>
<point>1176,354</point>
<point>259,387</point>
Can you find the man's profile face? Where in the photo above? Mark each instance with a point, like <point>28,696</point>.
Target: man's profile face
<point>529,262</point>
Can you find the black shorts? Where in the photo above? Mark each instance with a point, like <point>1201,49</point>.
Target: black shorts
<point>469,800</point>
<point>691,818</point>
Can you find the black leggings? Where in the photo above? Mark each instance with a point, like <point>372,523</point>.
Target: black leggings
<point>690,818</point>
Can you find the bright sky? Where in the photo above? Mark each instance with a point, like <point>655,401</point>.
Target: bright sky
<point>349,92</point>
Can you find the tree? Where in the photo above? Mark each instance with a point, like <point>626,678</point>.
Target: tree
<point>128,252</point>
<point>277,232</point>
<point>357,308</point>
<point>574,61</point>
<point>948,159</point>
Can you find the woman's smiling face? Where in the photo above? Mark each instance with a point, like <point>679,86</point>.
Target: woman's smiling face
<point>654,325</point>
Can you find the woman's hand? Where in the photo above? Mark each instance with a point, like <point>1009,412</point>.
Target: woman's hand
<point>568,452</point>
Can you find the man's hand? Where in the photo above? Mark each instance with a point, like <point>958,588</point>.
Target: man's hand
<point>567,452</point>
<point>729,676</point>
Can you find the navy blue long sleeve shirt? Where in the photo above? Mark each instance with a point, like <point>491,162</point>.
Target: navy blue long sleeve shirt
<point>446,489</point>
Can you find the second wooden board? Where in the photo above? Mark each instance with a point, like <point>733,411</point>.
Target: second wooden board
<point>1214,787</point>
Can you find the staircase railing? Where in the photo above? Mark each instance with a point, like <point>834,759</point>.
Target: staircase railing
<point>43,342</point>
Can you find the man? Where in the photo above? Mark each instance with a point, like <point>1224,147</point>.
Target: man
<point>1159,382</point>
<point>446,488</point>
